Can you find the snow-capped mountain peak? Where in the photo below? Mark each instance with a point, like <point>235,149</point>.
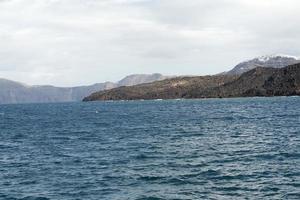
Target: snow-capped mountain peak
<point>273,60</point>
<point>272,56</point>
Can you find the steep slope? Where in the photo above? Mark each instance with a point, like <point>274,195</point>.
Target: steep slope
<point>15,92</point>
<point>12,92</point>
<point>166,89</point>
<point>136,79</point>
<point>8,84</point>
<point>274,61</point>
<point>257,82</point>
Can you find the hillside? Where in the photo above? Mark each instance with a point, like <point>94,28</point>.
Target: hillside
<point>166,89</point>
<point>257,82</point>
<point>136,79</point>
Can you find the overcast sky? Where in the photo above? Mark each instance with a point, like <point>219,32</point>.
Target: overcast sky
<point>77,42</point>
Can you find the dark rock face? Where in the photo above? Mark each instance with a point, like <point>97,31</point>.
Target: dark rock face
<point>260,82</point>
<point>257,82</point>
<point>274,61</point>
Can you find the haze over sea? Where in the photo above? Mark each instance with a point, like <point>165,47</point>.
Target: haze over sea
<point>244,148</point>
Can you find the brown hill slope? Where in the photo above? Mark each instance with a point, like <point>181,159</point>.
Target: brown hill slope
<point>166,89</point>
<point>257,82</point>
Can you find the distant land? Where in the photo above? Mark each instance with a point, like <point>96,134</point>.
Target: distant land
<point>145,86</point>
<point>15,92</point>
<point>263,80</point>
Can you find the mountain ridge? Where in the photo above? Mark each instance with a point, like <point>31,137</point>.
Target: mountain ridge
<point>261,81</point>
<point>16,92</point>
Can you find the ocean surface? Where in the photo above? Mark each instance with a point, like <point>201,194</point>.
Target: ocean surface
<point>247,148</point>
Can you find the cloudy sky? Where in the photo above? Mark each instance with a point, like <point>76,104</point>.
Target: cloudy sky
<point>78,42</point>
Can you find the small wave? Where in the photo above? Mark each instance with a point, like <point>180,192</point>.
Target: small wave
<point>144,156</point>
<point>176,181</point>
<point>149,198</point>
<point>151,178</point>
<point>210,172</point>
<point>34,198</point>
<point>290,155</point>
<point>292,196</point>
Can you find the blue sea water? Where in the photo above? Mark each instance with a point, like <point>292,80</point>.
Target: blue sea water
<point>246,148</point>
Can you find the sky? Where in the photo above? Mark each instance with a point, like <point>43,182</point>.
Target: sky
<point>81,42</point>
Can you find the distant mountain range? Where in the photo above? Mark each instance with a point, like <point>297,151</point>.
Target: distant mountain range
<point>15,92</point>
<point>158,87</point>
<point>260,81</point>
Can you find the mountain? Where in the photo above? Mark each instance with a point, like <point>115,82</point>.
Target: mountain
<point>149,86</point>
<point>261,81</point>
<point>166,89</point>
<point>15,92</point>
<point>274,61</point>
<point>136,79</point>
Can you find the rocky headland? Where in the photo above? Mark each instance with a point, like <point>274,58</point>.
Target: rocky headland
<point>260,81</point>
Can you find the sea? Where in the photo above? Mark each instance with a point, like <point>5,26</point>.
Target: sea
<point>242,148</point>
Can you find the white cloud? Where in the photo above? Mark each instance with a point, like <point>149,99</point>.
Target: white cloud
<point>69,42</point>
